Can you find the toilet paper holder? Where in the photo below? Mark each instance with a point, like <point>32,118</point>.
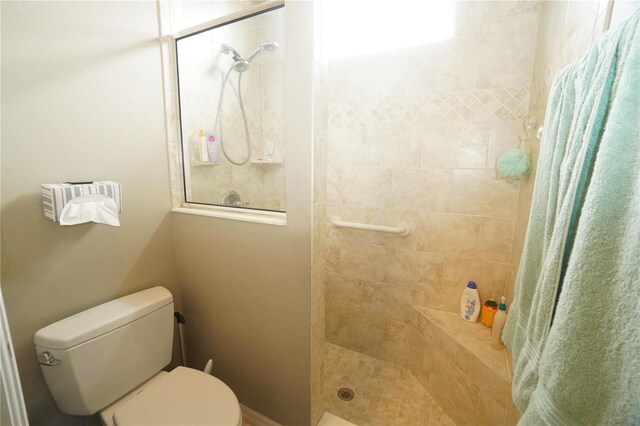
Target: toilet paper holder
<point>56,195</point>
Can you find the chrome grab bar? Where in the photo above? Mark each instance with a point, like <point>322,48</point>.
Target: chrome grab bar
<point>401,229</point>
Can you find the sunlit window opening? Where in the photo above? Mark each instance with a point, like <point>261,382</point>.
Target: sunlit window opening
<point>360,27</point>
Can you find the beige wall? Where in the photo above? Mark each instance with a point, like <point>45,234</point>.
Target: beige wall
<point>568,29</point>
<point>81,99</point>
<point>413,137</point>
<point>246,286</point>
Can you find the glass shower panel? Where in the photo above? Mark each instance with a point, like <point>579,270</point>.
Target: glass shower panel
<point>230,83</point>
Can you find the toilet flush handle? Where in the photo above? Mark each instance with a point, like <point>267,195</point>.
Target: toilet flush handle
<point>47,358</point>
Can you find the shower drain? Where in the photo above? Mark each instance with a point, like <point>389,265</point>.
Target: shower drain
<point>345,394</point>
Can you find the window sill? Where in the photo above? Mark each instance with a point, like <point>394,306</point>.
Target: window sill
<point>267,218</point>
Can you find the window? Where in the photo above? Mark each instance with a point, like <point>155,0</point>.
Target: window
<point>230,90</point>
<point>360,27</point>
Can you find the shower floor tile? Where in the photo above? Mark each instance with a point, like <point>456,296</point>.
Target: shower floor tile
<point>384,393</point>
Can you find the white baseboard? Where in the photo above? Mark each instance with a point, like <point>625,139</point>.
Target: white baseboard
<point>254,418</point>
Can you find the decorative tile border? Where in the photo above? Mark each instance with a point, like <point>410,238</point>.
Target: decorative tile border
<point>476,105</point>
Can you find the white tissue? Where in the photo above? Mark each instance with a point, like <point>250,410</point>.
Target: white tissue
<point>90,208</point>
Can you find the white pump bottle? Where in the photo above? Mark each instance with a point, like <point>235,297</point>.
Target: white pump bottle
<point>498,324</point>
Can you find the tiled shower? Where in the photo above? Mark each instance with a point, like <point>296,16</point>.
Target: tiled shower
<point>412,136</point>
<point>416,143</point>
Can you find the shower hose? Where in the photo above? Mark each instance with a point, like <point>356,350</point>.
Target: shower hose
<point>244,118</point>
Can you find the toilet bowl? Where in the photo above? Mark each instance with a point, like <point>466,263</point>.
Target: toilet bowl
<point>183,396</point>
<point>109,359</point>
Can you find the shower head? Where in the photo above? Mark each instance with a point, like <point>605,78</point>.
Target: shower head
<point>269,46</point>
<point>241,65</point>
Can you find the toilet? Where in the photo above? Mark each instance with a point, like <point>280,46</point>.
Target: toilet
<point>109,359</point>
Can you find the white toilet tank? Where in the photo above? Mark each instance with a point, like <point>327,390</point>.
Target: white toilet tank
<point>106,351</point>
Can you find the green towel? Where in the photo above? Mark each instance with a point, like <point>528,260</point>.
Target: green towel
<point>581,364</point>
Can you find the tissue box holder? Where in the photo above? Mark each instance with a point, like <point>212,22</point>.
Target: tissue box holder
<point>56,195</point>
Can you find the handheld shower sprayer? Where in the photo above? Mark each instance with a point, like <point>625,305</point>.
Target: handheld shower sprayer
<point>240,65</point>
<point>269,46</point>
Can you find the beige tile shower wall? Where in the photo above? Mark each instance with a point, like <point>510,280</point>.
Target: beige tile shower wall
<point>568,29</point>
<point>413,136</point>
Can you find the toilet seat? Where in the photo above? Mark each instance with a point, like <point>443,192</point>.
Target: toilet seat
<point>182,397</point>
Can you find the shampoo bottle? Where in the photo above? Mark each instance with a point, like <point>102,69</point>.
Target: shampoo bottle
<point>470,303</point>
<point>212,146</point>
<point>202,147</point>
<point>488,312</point>
<point>498,323</point>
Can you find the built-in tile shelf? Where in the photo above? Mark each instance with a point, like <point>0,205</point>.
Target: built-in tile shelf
<point>454,361</point>
<point>473,336</point>
<point>198,163</point>
<point>266,161</point>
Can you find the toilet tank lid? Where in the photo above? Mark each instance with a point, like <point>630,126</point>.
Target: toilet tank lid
<point>101,319</point>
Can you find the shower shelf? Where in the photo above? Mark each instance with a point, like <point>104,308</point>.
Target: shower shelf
<point>473,337</point>
<point>265,161</point>
<point>454,361</point>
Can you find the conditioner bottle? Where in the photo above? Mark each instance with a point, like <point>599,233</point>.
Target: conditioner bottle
<point>498,324</point>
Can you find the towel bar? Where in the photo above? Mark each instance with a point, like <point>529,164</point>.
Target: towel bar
<point>401,229</point>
